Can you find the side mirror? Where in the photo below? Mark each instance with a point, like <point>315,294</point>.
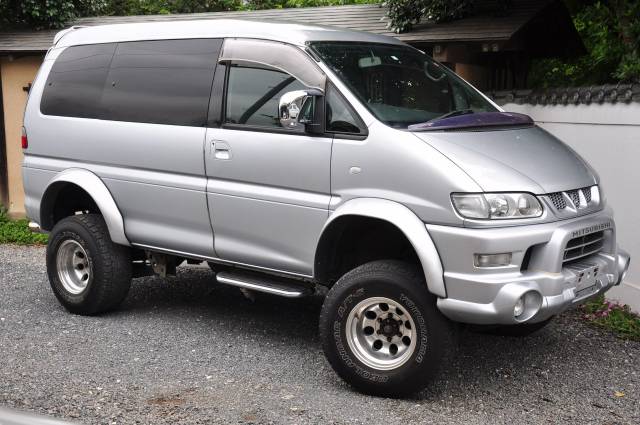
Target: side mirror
<point>297,110</point>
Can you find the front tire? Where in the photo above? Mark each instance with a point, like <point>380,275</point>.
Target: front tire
<point>381,330</point>
<point>89,274</point>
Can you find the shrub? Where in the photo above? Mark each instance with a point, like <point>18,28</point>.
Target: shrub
<point>613,316</point>
<point>17,231</point>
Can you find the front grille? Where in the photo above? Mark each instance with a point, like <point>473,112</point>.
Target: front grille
<point>583,246</point>
<point>575,197</point>
<point>559,201</point>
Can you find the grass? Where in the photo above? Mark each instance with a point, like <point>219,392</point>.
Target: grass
<point>17,231</point>
<point>615,317</point>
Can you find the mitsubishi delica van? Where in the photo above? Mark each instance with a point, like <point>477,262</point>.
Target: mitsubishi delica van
<point>293,157</point>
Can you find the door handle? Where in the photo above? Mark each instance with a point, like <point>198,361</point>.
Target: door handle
<point>221,150</point>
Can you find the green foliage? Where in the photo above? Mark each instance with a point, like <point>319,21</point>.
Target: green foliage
<point>282,4</point>
<point>17,231</point>
<point>47,14</point>
<point>43,14</point>
<point>39,14</point>
<point>403,14</point>
<point>153,7</point>
<point>617,318</point>
<point>610,31</point>
<point>157,7</point>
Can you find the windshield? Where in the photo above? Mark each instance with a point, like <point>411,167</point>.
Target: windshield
<point>400,85</point>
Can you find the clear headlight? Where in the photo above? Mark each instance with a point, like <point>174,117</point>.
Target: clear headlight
<point>496,205</point>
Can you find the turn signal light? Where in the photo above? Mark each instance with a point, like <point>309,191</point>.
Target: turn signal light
<point>492,260</point>
<point>25,141</point>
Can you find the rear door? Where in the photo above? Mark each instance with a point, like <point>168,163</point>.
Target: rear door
<point>268,187</point>
<point>134,113</point>
<point>149,142</point>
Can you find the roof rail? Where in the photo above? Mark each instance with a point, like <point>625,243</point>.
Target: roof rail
<point>64,32</point>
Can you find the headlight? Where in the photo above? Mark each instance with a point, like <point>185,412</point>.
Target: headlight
<point>496,205</point>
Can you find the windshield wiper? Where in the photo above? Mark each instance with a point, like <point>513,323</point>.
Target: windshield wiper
<point>479,119</point>
<point>452,114</point>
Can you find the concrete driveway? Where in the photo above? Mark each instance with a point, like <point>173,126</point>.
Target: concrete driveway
<point>187,351</point>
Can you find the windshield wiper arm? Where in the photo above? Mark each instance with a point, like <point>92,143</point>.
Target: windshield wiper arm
<point>452,114</point>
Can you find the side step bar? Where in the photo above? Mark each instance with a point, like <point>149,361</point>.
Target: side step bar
<point>263,283</point>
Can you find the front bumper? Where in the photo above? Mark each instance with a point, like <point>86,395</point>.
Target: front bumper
<point>537,272</point>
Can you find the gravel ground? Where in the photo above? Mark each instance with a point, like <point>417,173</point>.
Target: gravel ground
<point>187,351</point>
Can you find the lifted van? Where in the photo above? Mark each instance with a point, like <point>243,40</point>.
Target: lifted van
<point>291,157</point>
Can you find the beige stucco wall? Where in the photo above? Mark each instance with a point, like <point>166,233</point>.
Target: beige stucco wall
<point>16,73</point>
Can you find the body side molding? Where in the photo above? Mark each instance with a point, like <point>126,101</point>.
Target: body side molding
<point>409,224</point>
<point>98,191</point>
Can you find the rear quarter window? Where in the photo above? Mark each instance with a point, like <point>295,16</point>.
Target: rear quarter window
<point>159,81</point>
<point>76,80</point>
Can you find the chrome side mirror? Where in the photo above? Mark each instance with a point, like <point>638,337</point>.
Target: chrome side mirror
<point>295,109</point>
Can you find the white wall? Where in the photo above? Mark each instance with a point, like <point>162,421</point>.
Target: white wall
<point>608,137</point>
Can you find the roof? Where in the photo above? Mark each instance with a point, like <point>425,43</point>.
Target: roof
<point>294,33</point>
<point>372,18</point>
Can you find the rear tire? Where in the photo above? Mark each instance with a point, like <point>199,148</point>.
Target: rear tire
<point>381,330</point>
<point>89,274</point>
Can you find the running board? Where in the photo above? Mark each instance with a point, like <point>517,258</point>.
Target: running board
<point>263,283</point>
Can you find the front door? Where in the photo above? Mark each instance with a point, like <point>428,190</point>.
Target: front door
<point>268,188</point>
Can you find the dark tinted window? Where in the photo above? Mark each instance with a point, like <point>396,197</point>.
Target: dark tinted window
<point>163,82</point>
<point>253,94</point>
<point>75,83</point>
<point>340,118</point>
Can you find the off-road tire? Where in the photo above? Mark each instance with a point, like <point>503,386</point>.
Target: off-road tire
<point>404,284</point>
<point>110,265</point>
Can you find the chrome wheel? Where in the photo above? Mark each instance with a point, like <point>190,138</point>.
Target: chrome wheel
<point>74,269</point>
<point>381,333</point>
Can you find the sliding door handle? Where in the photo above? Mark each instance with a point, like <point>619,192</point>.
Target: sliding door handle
<point>221,150</point>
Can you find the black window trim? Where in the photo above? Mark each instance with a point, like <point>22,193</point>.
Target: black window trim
<point>217,98</point>
<point>364,130</point>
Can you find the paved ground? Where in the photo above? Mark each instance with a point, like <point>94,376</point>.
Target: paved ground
<point>185,351</point>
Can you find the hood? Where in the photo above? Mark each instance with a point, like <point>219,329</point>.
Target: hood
<point>522,159</point>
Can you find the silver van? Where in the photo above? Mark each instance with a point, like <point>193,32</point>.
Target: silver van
<point>294,157</point>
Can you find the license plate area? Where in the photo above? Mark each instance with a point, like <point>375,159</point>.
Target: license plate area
<point>585,278</point>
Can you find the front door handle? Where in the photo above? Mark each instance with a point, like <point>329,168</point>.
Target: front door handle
<point>221,150</point>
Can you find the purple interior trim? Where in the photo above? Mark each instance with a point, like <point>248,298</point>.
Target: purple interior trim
<point>478,119</point>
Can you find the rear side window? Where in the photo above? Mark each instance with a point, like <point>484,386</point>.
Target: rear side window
<point>161,82</point>
<point>76,80</point>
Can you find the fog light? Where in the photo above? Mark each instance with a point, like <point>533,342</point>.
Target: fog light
<point>519,308</point>
<point>492,260</point>
<point>527,306</point>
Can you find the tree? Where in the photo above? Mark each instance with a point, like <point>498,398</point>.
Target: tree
<point>403,14</point>
<point>39,14</point>
<point>610,31</point>
<point>157,7</point>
